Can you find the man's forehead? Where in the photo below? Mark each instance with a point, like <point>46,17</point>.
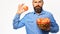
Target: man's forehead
<point>37,0</point>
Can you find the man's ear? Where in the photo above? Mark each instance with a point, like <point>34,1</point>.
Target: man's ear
<point>32,3</point>
<point>43,2</point>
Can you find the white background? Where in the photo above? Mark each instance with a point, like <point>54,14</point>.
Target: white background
<point>8,10</point>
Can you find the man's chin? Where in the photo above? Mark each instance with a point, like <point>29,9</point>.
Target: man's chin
<point>38,10</point>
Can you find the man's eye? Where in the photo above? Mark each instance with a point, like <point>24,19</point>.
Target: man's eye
<point>39,1</point>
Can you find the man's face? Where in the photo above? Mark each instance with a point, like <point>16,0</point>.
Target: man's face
<point>37,4</point>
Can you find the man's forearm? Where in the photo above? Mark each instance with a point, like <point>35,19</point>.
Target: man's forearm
<point>54,28</point>
<point>16,21</point>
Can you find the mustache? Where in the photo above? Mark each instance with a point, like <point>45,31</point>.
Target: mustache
<point>37,6</point>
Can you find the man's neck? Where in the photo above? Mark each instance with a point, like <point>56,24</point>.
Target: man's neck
<point>37,13</point>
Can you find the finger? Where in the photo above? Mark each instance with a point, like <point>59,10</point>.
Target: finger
<point>20,6</point>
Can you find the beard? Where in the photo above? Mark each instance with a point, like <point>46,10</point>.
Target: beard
<point>38,9</point>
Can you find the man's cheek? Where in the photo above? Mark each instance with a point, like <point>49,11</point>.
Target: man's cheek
<point>34,5</point>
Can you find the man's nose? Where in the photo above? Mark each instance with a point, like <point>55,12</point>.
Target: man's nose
<point>37,4</point>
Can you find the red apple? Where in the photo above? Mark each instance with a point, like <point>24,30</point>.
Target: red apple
<point>39,21</point>
<point>45,21</point>
<point>25,8</point>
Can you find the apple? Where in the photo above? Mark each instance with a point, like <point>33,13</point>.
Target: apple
<point>25,8</point>
<point>43,20</point>
<point>39,21</point>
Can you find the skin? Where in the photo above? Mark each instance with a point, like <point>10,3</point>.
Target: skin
<point>20,9</point>
<point>37,5</point>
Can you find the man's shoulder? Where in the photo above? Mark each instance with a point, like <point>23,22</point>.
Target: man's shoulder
<point>47,12</point>
<point>30,13</point>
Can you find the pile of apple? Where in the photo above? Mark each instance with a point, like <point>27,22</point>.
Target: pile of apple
<point>43,23</point>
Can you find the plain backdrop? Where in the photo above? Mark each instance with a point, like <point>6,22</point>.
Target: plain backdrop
<point>8,9</point>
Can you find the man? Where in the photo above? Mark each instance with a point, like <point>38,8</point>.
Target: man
<point>29,20</point>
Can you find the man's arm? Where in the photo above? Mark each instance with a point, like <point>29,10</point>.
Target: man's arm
<point>54,26</point>
<point>17,23</point>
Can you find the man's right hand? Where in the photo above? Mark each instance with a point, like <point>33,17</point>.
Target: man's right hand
<point>20,9</point>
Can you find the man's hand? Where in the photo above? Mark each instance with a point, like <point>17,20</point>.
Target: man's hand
<point>45,27</point>
<point>20,9</point>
